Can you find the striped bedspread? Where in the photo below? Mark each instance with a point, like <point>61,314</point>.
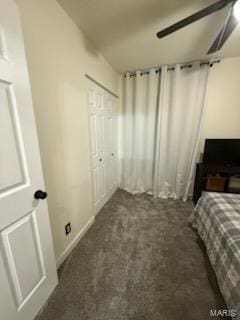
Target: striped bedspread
<point>217,220</point>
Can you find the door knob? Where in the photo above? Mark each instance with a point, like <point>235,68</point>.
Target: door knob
<point>112,154</point>
<point>100,159</point>
<point>39,194</point>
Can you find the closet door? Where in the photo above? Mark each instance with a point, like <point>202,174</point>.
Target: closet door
<point>103,135</point>
<point>101,158</point>
<point>97,145</point>
<point>111,145</point>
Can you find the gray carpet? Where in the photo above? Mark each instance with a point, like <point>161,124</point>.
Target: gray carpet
<point>139,261</point>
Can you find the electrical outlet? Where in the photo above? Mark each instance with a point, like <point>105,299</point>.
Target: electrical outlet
<point>68,228</point>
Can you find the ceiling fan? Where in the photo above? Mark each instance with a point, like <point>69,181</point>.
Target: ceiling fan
<point>230,24</point>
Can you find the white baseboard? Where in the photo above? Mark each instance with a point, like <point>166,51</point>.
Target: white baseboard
<point>108,197</point>
<point>74,242</point>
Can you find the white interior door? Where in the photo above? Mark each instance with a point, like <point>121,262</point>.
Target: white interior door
<point>103,133</point>
<point>27,264</point>
<point>111,146</point>
<point>97,132</point>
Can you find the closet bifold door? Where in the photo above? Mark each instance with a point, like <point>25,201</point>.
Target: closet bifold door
<point>97,144</point>
<point>111,144</point>
<point>102,107</point>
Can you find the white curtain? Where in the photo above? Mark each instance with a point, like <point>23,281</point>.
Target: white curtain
<point>160,133</point>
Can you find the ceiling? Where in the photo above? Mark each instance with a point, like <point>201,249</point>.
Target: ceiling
<point>125,31</point>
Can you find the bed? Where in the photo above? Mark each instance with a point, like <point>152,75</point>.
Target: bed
<point>217,220</point>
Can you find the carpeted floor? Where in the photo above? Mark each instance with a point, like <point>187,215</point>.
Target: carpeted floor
<point>139,261</point>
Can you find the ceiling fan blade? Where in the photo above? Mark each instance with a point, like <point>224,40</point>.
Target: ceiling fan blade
<point>194,17</point>
<point>230,24</point>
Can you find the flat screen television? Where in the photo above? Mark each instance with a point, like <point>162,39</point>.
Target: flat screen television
<point>222,151</point>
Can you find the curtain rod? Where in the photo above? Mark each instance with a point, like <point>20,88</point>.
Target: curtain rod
<point>171,68</point>
<point>100,85</point>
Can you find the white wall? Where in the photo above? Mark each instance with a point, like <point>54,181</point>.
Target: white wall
<point>222,118</point>
<point>58,56</point>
